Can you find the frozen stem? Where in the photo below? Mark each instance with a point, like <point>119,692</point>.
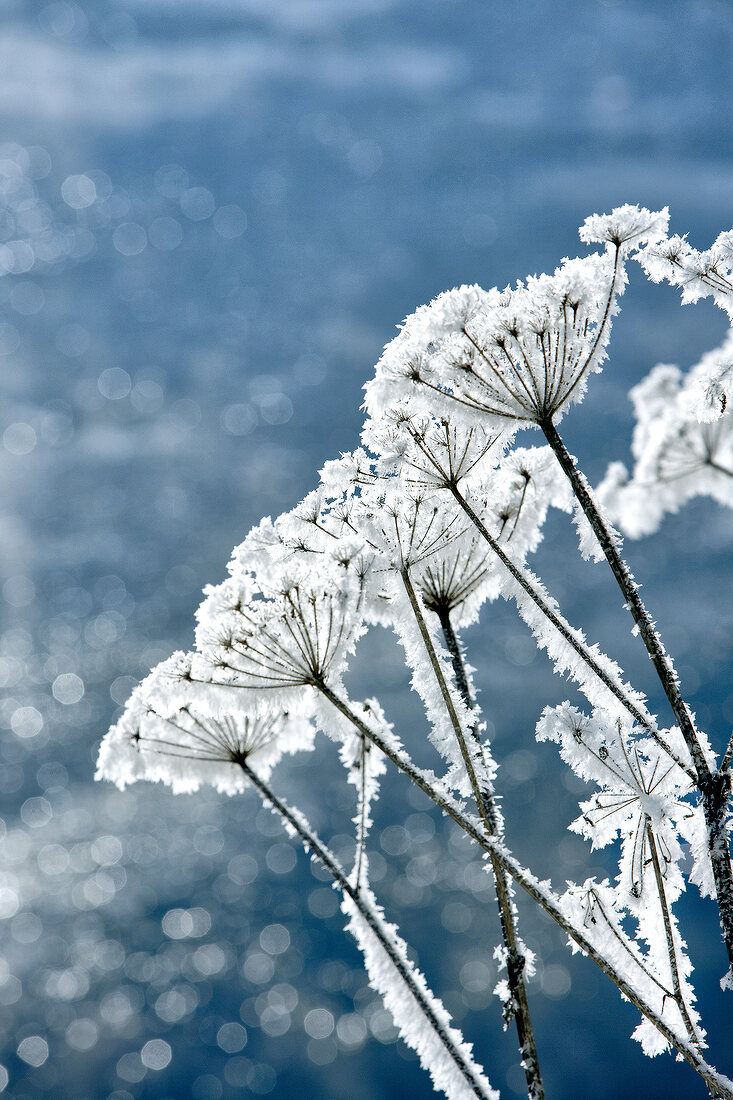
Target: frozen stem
<point>472,756</point>
<point>669,937</point>
<point>524,580</point>
<point>714,787</point>
<point>539,892</point>
<point>473,1077</point>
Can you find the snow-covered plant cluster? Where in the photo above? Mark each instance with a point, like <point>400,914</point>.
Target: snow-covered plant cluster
<point>437,513</point>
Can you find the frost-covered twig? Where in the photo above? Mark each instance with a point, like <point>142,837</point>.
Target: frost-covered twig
<point>714,787</point>
<point>618,972</point>
<point>363,810</point>
<point>149,743</point>
<point>454,649</point>
<point>682,444</point>
<point>132,751</point>
<point>669,936</point>
<point>552,905</point>
<point>699,274</point>
<point>629,589</point>
<point>515,951</point>
<point>447,461</point>
<point>727,756</point>
<point>529,585</point>
<point>643,800</point>
<point>440,1047</point>
<point>480,784</point>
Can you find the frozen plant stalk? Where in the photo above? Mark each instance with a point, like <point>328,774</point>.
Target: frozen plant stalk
<point>418,530</point>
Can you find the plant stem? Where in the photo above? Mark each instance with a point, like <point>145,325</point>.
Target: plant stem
<point>329,861</point>
<point>361,838</point>
<point>671,950</point>
<point>461,677</point>
<point>719,468</point>
<point>714,787</point>
<point>515,972</point>
<point>727,756</point>
<point>524,580</point>
<point>454,650</point>
<point>515,959</point>
<point>630,592</point>
<point>538,891</point>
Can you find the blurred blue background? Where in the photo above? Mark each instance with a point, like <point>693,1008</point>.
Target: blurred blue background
<point>212,215</point>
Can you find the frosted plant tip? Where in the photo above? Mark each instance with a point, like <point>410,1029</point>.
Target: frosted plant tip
<point>626,225</point>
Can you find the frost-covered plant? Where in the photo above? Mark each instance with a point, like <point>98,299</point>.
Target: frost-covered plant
<point>699,274</point>
<point>434,516</point>
<point>682,445</point>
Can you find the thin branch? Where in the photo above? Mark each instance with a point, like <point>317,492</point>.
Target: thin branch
<point>311,841</point>
<point>671,949</point>
<point>727,756</point>
<point>539,892</point>
<point>567,633</point>
<point>515,959</point>
<point>714,787</point>
<point>630,592</point>
<point>623,943</point>
<point>361,838</point>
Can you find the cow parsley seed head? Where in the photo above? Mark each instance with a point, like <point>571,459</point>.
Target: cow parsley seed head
<point>691,450</point>
<point>186,748</point>
<point>677,456</point>
<point>299,540</point>
<point>459,581</point>
<point>405,369</point>
<point>458,573</point>
<point>406,524</point>
<point>437,453</point>
<point>637,787</point>
<point>708,393</point>
<point>626,227</point>
<point>517,495</point>
<point>296,633</point>
<point>668,258</point>
<point>519,358</point>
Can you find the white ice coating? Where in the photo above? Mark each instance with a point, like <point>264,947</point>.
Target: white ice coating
<point>403,1005</point>
<point>641,799</point>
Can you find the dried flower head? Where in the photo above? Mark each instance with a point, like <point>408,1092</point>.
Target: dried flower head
<point>296,634</point>
<point>168,734</point>
<point>520,355</point>
<point>677,456</point>
<point>638,788</point>
<point>435,453</point>
<point>459,581</point>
